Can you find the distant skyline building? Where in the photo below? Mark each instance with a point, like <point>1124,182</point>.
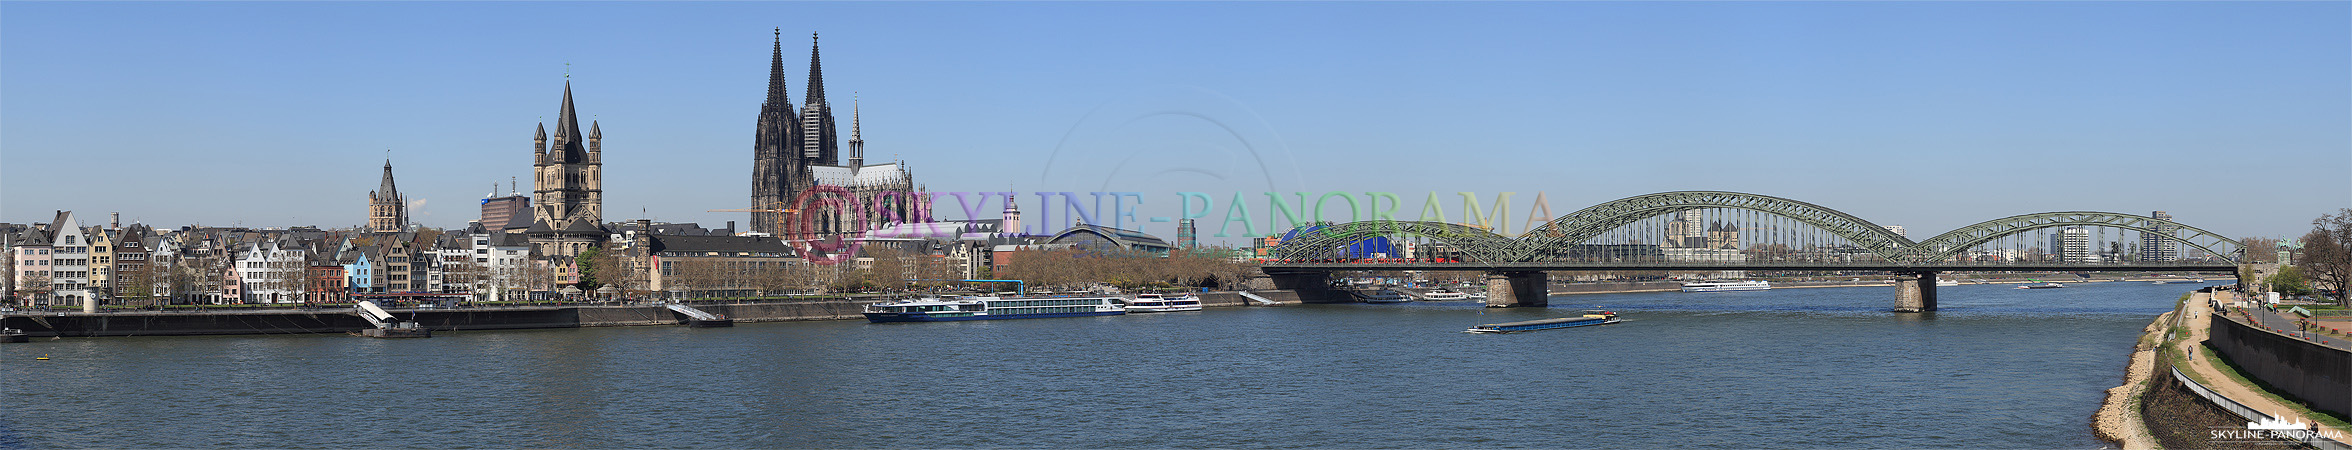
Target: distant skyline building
<point>387,209</point>
<point>2154,247</point>
<point>2073,245</point>
<point>1898,230</point>
<point>510,211</point>
<point>568,183</point>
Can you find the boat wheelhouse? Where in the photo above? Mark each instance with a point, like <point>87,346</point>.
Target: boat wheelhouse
<point>992,308</point>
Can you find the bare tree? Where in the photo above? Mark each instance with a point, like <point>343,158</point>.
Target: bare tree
<point>2327,253</point>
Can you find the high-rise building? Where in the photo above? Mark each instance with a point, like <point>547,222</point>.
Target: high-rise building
<point>2073,245</point>
<point>387,209</point>
<point>795,155</point>
<point>1186,235</point>
<point>568,182</point>
<point>2155,247</point>
<point>1898,230</point>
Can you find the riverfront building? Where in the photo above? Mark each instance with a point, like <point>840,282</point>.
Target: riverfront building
<point>796,155</point>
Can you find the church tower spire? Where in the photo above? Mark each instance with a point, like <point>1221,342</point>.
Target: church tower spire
<point>818,143</point>
<point>776,74</point>
<point>387,210</point>
<point>857,142</point>
<point>816,75</point>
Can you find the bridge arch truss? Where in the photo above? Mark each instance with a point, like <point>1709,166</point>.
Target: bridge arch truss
<point>1951,243</point>
<point>1585,224</point>
<point>1476,243</point>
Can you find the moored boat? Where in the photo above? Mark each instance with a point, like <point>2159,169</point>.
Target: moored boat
<point>1148,303</point>
<point>991,308</point>
<point>2042,286</point>
<point>1444,295</point>
<point>1589,318</point>
<point>11,335</point>
<point>1943,282</point>
<point>1381,296</point>
<point>1724,286</point>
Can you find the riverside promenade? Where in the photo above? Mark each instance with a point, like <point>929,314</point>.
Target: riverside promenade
<point>2227,382</point>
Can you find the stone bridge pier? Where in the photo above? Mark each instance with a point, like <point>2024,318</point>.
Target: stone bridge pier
<point>1510,289</point>
<point>1311,286</point>
<point>1915,292</point>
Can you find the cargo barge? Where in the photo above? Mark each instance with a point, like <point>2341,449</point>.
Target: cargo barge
<point>1589,318</point>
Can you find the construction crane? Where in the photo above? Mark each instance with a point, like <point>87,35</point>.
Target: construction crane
<point>782,213</point>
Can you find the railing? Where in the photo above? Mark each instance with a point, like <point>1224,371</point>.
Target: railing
<point>1255,297</point>
<point>2313,439</point>
<point>689,311</point>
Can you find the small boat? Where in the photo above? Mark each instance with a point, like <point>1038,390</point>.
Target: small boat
<point>12,335</point>
<point>1382,296</point>
<point>1725,286</point>
<point>1943,283</point>
<point>1148,303</point>
<point>2042,286</point>
<point>992,308</point>
<point>1444,295</point>
<point>1589,318</point>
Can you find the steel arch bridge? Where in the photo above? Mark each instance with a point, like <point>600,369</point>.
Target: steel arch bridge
<point>1585,224</point>
<point>1536,245</point>
<point>1479,244</point>
<point>1953,242</point>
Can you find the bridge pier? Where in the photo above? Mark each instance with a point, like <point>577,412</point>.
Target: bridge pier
<point>1509,289</point>
<point>1311,286</point>
<point>1915,292</point>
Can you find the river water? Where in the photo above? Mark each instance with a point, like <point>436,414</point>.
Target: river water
<point>1786,368</point>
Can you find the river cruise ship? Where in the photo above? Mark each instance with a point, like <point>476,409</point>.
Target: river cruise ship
<point>991,308</point>
<point>1149,303</point>
<point>1722,286</point>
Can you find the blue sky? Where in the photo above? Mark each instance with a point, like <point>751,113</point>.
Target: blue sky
<point>2235,117</point>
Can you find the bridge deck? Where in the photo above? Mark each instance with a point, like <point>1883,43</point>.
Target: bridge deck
<point>1704,266</point>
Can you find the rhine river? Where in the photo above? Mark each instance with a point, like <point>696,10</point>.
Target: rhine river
<point>1787,368</point>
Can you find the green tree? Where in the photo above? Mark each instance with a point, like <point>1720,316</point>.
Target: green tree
<point>593,266</point>
<point>2327,253</point>
<point>2290,280</point>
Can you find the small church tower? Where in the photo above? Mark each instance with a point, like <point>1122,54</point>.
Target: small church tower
<point>387,210</point>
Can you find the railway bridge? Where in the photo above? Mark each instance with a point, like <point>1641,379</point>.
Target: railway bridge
<point>1727,234</point>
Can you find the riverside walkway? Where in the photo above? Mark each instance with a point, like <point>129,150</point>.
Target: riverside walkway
<point>2197,365</point>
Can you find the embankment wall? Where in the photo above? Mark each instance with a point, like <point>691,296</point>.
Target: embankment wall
<point>2313,373</point>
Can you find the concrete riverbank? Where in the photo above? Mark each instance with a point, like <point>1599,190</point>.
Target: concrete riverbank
<point>342,320</point>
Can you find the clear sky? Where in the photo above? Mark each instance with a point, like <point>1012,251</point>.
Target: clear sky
<point>2235,117</point>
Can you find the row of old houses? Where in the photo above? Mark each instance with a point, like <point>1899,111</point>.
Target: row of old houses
<point>64,263</point>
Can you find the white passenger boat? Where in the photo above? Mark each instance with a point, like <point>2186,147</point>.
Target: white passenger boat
<point>1444,295</point>
<point>1382,296</point>
<point>1944,282</point>
<point>991,308</point>
<point>1149,303</point>
<point>1724,286</point>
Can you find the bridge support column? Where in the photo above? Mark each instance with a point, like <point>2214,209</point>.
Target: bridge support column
<point>1915,292</point>
<point>1312,287</point>
<point>1509,289</point>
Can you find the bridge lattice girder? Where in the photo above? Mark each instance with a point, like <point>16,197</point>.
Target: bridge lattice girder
<point>1486,246</point>
<point>1583,225</point>
<point>1953,242</point>
<point>1479,244</point>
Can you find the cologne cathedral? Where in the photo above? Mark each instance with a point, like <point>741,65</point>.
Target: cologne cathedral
<point>800,187</point>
